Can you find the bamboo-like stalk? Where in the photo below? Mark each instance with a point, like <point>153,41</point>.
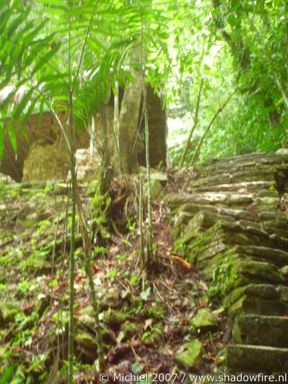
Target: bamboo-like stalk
<point>87,255</point>
<point>194,125</point>
<point>141,225</point>
<point>72,244</point>
<point>147,153</point>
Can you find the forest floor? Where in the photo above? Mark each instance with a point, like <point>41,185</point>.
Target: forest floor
<point>147,324</point>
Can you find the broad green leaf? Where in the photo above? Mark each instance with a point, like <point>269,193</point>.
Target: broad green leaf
<point>18,108</point>
<point>1,140</point>
<point>40,114</point>
<point>12,136</point>
<point>46,58</point>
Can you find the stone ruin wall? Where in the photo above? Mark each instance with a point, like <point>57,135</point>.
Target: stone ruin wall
<point>45,135</point>
<point>45,156</point>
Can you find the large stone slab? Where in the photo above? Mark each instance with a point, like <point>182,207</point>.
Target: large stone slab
<point>260,291</point>
<point>272,255</point>
<point>244,186</point>
<point>254,305</point>
<point>46,162</point>
<point>261,330</point>
<point>257,358</point>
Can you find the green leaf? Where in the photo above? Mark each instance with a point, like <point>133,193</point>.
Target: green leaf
<point>232,20</point>
<point>8,374</point>
<point>12,136</point>
<point>40,114</point>
<point>18,108</point>
<point>46,58</point>
<point>137,368</point>
<point>145,294</point>
<point>1,140</point>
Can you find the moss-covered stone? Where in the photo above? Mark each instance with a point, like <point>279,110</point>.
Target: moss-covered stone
<point>205,320</point>
<point>156,189</point>
<point>129,329</point>
<point>111,299</point>
<point>254,358</point>
<point>262,270</point>
<point>262,291</point>
<point>113,318</point>
<point>261,330</point>
<point>41,305</point>
<point>190,355</point>
<point>46,162</point>
<point>86,346</point>
<point>284,273</point>
<point>251,304</point>
<point>283,291</point>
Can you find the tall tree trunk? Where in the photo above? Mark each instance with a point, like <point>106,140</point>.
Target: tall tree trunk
<point>129,116</point>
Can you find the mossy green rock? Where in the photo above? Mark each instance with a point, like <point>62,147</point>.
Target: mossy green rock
<point>283,291</point>
<point>129,329</point>
<point>249,304</point>
<point>190,355</point>
<point>205,320</point>
<point>87,320</point>
<point>111,299</point>
<point>261,330</point>
<point>113,317</point>
<point>257,358</point>
<point>85,339</point>
<point>86,346</point>
<point>42,304</point>
<point>8,311</point>
<point>261,291</point>
<point>156,189</point>
<point>284,272</point>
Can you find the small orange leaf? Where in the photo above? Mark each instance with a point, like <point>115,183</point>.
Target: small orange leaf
<point>182,262</point>
<point>95,268</point>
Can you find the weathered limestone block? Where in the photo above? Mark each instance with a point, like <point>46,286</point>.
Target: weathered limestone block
<point>157,122</point>
<point>86,165</point>
<point>46,162</point>
<point>190,355</point>
<point>275,256</point>
<point>204,320</point>
<point>262,270</point>
<point>242,187</point>
<point>261,330</point>
<point>255,305</point>
<point>257,358</point>
<point>46,131</point>
<point>86,345</point>
<point>214,198</point>
<point>233,222</point>
<point>261,291</point>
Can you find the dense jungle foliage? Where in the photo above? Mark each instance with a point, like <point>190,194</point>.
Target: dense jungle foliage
<point>231,45</point>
